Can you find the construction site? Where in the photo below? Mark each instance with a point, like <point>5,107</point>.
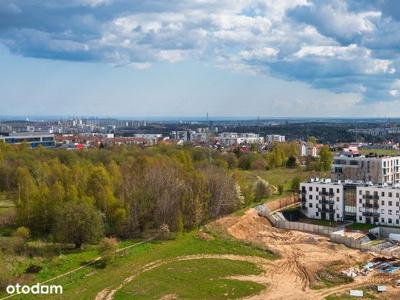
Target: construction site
<point>311,265</point>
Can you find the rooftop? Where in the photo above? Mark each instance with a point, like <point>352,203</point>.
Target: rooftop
<point>352,182</point>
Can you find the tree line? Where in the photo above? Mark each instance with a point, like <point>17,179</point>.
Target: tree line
<point>78,197</point>
<point>122,191</point>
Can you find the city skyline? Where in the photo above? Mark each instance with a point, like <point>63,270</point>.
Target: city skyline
<point>249,58</point>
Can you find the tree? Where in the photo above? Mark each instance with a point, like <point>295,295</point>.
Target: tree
<point>108,249</point>
<point>291,162</point>
<point>295,185</point>
<point>22,234</point>
<point>280,189</point>
<point>262,189</point>
<point>78,223</point>
<point>312,140</point>
<point>326,158</point>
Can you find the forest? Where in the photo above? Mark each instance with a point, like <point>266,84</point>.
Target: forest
<point>80,196</point>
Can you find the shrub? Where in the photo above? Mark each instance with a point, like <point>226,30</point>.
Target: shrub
<point>108,249</point>
<point>33,269</point>
<point>163,232</point>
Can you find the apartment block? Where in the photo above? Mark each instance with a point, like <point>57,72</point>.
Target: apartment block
<point>33,139</point>
<point>367,203</point>
<point>271,138</point>
<point>322,199</point>
<point>375,169</point>
<point>378,205</point>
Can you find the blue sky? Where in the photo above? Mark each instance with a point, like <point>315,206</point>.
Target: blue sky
<point>185,58</point>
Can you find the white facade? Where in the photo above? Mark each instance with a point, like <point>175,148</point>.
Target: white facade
<point>308,150</point>
<point>271,138</point>
<point>234,138</point>
<point>322,199</point>
<point>378,205</point>
<point>328,200</point>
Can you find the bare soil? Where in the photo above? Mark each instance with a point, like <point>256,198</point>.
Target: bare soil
<point>302,256</point>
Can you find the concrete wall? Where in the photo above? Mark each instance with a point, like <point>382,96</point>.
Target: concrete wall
<point>311,228</point>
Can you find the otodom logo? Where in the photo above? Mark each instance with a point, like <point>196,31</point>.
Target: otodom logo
<point>36,289</point>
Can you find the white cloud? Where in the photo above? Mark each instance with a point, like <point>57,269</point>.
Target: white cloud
<point>326,43</point>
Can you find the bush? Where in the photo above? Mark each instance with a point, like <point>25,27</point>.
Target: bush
<point>295,186</point>
<point>23,233</point>
<point>33,269</point>
<point>163,232</point>
<point>262,190</point>
<point>280,189</point>
<point>108,249</point>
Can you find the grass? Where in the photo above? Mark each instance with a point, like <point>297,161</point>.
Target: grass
<point>361,226</point>
<point>86,283</point>
<point>195,279</point>
<point>389,152</point>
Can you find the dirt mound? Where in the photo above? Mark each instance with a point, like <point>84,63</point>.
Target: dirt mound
<point>303,255</point>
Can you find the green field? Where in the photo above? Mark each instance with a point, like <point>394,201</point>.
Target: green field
<point>282,176</point>
<point>195,279</point>
<point>87,282</point>
<point>389,152</point>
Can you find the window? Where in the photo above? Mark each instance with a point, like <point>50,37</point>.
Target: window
<point>310,205</point>
<point>390,194</point>
<point>383,194</point>
<point>390,203</point>
<point>310,197</point>
<point>397,195</point>
<point>382,220</point>
<point>390,221</point>
<point>337,216</point>
<point>359,218</point>
<point>397,222</point>
<point>360,201</point>
<point>316,197</point>
<point>337,199</point>
<point>310,188</point>
<point>317,189</point>
<point>317,214</point>
<point>360,192</point>
<point>397,203</point>
<point>390,212</point>
<point>382,211</point>
<point>338,191</point>
<point>382,202</point>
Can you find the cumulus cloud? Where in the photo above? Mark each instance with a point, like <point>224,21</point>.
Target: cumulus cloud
<point>342,46</point>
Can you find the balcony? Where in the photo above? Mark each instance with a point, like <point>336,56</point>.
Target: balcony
<point>326,202</point>
<point>370,214</point>
<point>371,197</point>
<point>326,193</point>
<point>326,210</point>
<point>372,205</point>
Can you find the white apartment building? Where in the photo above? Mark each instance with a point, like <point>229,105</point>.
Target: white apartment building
<point>234,138</point>
<point>351,200</point>
<point>271,138</point>
<point>376,169</point>
<point>322,199</point>
<point>378,204</point>
<point>308,150</point>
